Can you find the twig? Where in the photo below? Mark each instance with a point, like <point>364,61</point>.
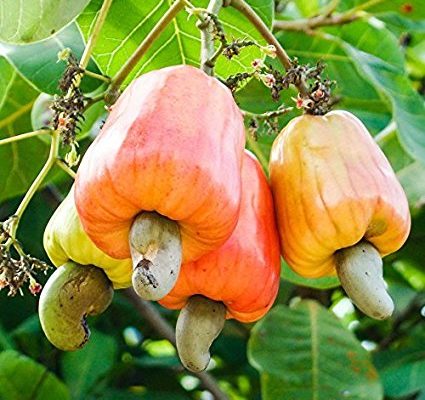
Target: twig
<point>413,309</point>
<point>326,18</point>
<point>155,319</point>
<point>23,136</point>
<point>309,24</point>
<point>120,76</point>
<point>267,115</point>
<point>262,28</point>
<point>207,38</point>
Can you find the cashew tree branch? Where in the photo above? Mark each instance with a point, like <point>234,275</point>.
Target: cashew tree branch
<point>164,329</point>
<point>243,7</point>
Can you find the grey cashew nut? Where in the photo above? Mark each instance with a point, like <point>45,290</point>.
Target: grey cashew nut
<point>71,294</point>
<point>156,252</point>
<point>198,325</point>
<point>359,269</point>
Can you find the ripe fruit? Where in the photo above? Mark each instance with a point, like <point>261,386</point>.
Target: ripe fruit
<point>163,176</point>
<point>239,280</point>
<point>65,240</point>
<point>334,190</point>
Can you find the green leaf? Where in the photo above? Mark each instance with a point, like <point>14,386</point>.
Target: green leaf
<point>27,21</point>
<point>6,342</point>
<point>402,370</point>
<point>38,62</point>
<point>115,394</point>
<point>381,65</point>
<point>84,368</point>
<point>357,94</point>
<point>304,353</point>
<point>408,107</point>
<point>19,161</point>
<point>319,283</point>
<point>178,44</point>
<point>29,336</point>
<point>23,379</point>
<point>410,173</point>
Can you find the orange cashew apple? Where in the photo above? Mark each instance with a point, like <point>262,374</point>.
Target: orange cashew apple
<point>161,182</point>
<point>339,205</point>
<point>239,280</point>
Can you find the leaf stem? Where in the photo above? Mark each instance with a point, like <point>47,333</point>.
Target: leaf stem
<point>125,70</point>
<point>50,162</point>
<point>91,42</point>
<point>23,136</point>
<point>243,7</point>
<point>100,77</point>
<point>61,164</point>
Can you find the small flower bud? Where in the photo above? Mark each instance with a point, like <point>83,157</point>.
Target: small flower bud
<point>64,54</point>
<point>257,63</point>
<point>268,79</point>
<point>34,286</point>
<point>269,50</point>
<point>72,157</point>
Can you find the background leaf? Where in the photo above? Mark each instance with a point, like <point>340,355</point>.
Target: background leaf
<point>23,379</point>
<point>28,21</point>
<point>20,161</point>
<point>38,62</point>
<point>178,44</point>
<point>310,356</point>
<point>84,368</point>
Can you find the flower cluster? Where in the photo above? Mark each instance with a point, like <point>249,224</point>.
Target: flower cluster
<point>16,272</point>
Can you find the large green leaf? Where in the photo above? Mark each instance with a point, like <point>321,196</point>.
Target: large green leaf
<point>19,161</point>
<point>305,353</point>
<point>408,106</point>
<point>402,369</point>
<point>23,379</point>
<point>82,369</point>
<point>38,62</point>
<point>6,342</point>
<point>28,21</point>
<point>377,56</point>
<point>410,173</point>
<point>178,44</point>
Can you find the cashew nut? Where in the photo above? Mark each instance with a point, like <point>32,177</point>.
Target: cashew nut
<point>156,251</point>
<point>71,294</point>
<point>359,268</point>
<point>198,325</point>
